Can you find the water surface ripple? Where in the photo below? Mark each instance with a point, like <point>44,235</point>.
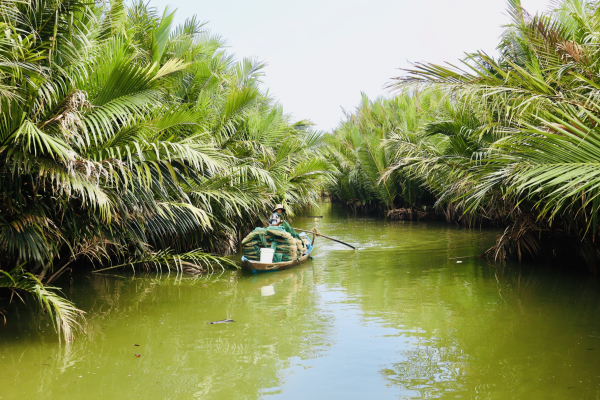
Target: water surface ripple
<point>398,319</point>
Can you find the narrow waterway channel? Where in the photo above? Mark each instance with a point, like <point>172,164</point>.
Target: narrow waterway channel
<point>397,319</point>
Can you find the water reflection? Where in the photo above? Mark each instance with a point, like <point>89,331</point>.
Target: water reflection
<point>181,355</point>
<point>267,291</point>
<point>398,319</point>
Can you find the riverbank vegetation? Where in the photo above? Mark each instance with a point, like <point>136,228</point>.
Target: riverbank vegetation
<point>127,140</point>
<point>511,140</point>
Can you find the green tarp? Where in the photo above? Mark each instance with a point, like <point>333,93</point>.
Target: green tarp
<point>280,238</point>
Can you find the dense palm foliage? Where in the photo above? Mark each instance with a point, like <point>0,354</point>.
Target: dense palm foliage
<point>362,152</point>
<point>127,140</point>
<point>513,139</point>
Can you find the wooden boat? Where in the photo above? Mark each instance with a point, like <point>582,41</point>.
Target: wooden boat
<point>256,266</point>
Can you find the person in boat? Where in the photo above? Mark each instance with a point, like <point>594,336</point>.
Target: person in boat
<point>275,219</point>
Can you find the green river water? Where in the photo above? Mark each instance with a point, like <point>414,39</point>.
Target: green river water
<point>397,319</point>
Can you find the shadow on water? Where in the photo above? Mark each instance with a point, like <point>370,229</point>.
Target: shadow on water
<point>400,318</point>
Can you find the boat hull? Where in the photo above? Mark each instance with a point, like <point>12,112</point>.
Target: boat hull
<point>255,267</point>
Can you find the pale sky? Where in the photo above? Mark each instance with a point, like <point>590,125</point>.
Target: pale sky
<point>322,53</point>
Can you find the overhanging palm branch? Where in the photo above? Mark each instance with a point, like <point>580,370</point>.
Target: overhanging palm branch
<point>65,317</point>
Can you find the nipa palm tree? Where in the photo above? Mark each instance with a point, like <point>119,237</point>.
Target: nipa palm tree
<point>127,141</point>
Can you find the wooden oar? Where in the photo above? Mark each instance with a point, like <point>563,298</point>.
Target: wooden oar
<point>326,237</point>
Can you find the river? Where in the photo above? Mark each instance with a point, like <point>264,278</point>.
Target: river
<point>400,318</point>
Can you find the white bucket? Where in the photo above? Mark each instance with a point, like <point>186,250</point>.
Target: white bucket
<point>266,255</point>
